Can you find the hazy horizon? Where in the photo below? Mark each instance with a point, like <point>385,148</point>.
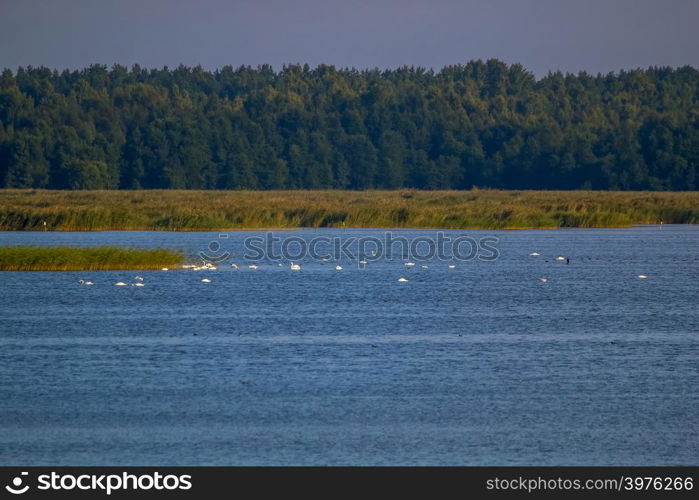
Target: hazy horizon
<point>543,35</point>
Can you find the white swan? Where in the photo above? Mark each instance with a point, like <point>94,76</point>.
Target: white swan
<point>560,257</point>
<point>534,254</point>
<point>402,280</point>
<point>543,280</point>
<point>234,266</point>
<point>120,283</point>
<point>642,276</point>
<point>138,278</point>
<point>409,264</point>
<point>295,267</point>
<point>253,266</point>
<point>138,284</point>
<point>205,280</point>
<point>424,267</point>
<point>164,269</point>
<point>86,283</point>
<point>452,266</point>
<point>338,268</point>
<point>362,262</point>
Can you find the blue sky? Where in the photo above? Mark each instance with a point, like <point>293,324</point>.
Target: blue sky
<point>543,35</point>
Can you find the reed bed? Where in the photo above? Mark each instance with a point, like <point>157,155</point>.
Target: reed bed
<point>174,210</point>
<point>32,258</point>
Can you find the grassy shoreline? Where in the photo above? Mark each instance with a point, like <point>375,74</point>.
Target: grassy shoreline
<point>32,258</point>
<point>171,210</point>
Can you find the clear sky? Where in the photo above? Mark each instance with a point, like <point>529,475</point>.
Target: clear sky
<point>543,35</point>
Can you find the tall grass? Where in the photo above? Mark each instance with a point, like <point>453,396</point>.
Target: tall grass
<point>33,258</point>
<point>225,210</point>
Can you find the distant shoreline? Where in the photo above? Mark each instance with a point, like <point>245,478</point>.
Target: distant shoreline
<point>201,211</point>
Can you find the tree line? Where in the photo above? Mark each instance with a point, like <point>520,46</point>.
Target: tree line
<point>484,123</point>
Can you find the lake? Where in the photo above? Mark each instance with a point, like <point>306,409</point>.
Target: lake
<point>483,364</point>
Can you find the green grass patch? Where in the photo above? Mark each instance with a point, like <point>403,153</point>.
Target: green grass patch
<point>32,258</point>
<point>173,210</point>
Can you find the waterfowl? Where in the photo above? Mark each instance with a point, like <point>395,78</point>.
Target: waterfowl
<point>138,284</point>
<point>534,254</point>
<point>253,266</point>
<point>338,268</point>
<point>560,257</point>
<point>642,276</point>
<point>206,280</point>
<point>402,280</point>
<point>120,283</point>
<point>452,266</point>
<point>234,266</point>
<point>138,278</point>
<point>86,283</point>
<point>409,264</point>
<point>362,262</point>
<point>295,267</point>
<point>543,280</point>
<point>164,269</point>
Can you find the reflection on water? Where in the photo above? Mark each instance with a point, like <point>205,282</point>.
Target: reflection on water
<point>481,364</point>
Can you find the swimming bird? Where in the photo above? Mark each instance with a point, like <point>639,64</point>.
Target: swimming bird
<point>402,280</point>
<point>138,278</point>
<point>86,283</point>
<point>120,283</point>
<point>560,257</point>
<point>452,266</point>
<point>642,276</point>
<point>138,284</point>
<point>338,268</point>
<point>534,254</point>
<point>295,267</point>
<point>253,266</point>
<point>234,266</point>
<point>409,264</point>
<point>543,280</point>
<point>205,280</point>
<point>424,267</point>
<point>164,269</point>
<point>362,262</point>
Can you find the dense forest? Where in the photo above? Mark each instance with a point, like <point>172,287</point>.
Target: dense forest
<point>483,124</point>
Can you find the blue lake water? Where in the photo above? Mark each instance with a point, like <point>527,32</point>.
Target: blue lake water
<point>478,365</point>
